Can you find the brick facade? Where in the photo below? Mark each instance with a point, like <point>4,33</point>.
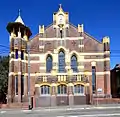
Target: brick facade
<point>50,41</point>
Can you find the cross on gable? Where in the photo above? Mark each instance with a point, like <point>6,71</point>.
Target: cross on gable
<point>73,43</point>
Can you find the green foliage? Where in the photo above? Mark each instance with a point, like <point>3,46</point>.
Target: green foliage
<point>4,70</point>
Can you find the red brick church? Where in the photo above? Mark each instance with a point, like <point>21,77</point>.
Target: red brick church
<point>67,65</point>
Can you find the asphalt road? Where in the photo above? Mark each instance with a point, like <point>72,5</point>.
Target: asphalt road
<point>87,112</point>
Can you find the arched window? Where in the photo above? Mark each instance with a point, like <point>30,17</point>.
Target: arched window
<point>61,58</point>
<point>74,63</point>
<point>49,64</point>
<point>45,89</point>
<point>78,89</point>
<point>62,89</point>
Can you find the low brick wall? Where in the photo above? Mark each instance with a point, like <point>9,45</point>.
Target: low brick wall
<point>14,106</point>
<point>3,106</point>
<point>106,100</point>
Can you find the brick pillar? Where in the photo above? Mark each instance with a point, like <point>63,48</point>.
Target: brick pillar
<point>10,84</point>
<point>70,93</point>
<point>107,87</point>
<point>26,88</point>
<point>53,94</point>
<point>19,88</point>
<point>90,89</point>
<point>10,79</point>
<point>87,92</point>
<point>36,97</point>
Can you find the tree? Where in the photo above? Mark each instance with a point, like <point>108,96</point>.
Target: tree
<point>4,70</point>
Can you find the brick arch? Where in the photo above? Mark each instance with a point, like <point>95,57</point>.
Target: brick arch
<point>61,48</point>
<point>47,54</point>
<point>45,84</point>
<point>74,53</point>
<point>61,84</point>
<point>79,83</point>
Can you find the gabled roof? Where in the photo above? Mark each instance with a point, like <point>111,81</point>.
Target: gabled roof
<point>72,29</point>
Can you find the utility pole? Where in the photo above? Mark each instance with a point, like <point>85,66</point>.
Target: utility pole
<point>29,95</point>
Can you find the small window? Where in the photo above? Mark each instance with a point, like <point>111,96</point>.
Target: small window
<point>22,55</point>
<point>79,89</point>
<point>93,79</point>
<point>22,85</point>
<point>74,63</point>
<point>45,89</point>
<point>16,85</point>
<point>49,64</point>
<point>16,53</point>
<point>62,89</point>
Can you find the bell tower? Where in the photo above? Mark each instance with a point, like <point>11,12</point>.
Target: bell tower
<point>61,24</point>
<point>18,61</point>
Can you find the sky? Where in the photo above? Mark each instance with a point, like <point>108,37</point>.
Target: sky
<point>100,18</point>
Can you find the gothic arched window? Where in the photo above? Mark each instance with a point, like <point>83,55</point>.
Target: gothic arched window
<point>74,63</point>
<point>79,89</point>
<point>62,89</point>
<point>49,64</point>
<point>61,60</point>
<point>45,89</point>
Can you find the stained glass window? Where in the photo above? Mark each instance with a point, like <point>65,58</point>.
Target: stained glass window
<point>74,63</point>
<point>79,89</point>
<point>45,89</point>
<point>62,89</point>
<point>49,64</point>
<point>61,61</point>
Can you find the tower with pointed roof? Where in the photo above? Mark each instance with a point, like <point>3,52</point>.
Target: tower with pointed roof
<point>17,82</point>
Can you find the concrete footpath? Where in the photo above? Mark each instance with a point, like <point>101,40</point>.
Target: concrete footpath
<point>77,107</point>
<point>65,108</point>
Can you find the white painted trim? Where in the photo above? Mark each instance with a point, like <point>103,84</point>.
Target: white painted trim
<point>12,52</point>
<point>80,73</point>
<point>81,38</point>
<point>79,94</point>
<point>25,61</point>
<point>26,74</point>
<point>62,94</point>
<point>65,38</point>
<point>81,67</point>
<point>45,95</point>
<point>42,67</point>
<point>37,61</point>
<point>32,74</point>
<point>11,73</point>
<point>33,55</point>
<point>80,54</point>
<point>96,60</point>
<point>107,52</point>
<point>19,73</point>
<point>80,46</point>
<point>86,54</point>
<point>41,47</point>
<point>82,60</point>
<point>19,52</point>
<point>46,74</point>
<point>37,85</point>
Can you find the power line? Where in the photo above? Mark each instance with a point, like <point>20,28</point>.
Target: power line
<point>113,53</point>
